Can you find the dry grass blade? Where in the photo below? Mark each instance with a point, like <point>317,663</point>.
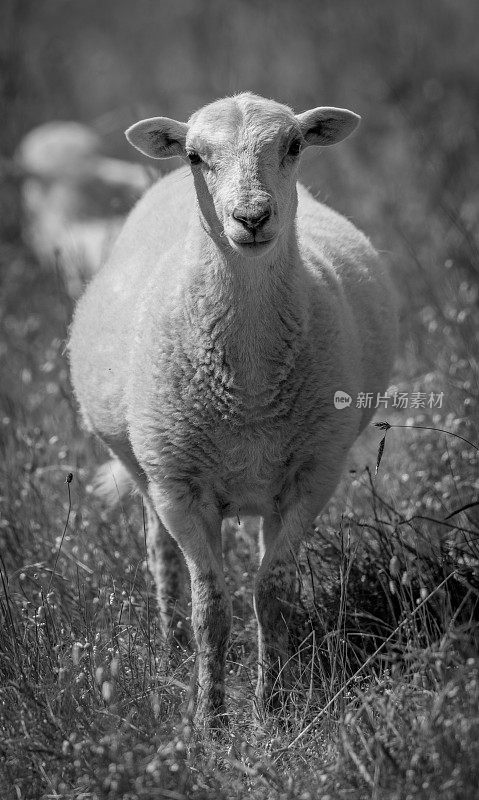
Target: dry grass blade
<point>68,481</point>
<point>380,454</point>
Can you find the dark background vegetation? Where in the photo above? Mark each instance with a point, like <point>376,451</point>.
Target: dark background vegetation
<point>90,705</point>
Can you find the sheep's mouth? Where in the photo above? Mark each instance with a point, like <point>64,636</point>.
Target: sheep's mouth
<point>253,247</point>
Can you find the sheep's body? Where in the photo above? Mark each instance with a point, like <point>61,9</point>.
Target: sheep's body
<point>171,326</point>
<point>212,379</point>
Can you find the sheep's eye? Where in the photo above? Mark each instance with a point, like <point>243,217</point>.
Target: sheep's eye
<point>194,158</point>
<point>294,148</point>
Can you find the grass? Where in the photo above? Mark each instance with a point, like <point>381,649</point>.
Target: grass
<point>384,703</point>
<point>385,697</point>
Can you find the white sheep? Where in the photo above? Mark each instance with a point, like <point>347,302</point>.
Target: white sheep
<point>74,199</point>
<point>207,352</point>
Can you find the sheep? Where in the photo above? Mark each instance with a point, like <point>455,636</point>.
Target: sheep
<point>74,199</point>
<point>207,352</point>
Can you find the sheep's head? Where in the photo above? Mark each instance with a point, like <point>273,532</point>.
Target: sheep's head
<point>244,153</point>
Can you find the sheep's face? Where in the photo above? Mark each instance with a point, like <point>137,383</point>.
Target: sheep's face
<point>244,153</point>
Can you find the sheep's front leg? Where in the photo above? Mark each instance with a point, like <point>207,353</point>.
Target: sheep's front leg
<point>274,595</point>
<point>196,527</point>
<point>273,602</point>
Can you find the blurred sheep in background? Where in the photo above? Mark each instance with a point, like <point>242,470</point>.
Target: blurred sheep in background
<point>74,199</point>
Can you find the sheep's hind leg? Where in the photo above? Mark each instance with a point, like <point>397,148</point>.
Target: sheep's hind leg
<point>168,567</point>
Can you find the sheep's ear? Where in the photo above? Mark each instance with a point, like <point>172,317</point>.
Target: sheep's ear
<point>324,126</point>
<point>158,137</point>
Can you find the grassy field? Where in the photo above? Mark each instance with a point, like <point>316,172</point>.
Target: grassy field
<point>386,693</point>
<point>385,697</point>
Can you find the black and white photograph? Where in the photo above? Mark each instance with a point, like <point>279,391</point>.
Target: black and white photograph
<point>239,400</point>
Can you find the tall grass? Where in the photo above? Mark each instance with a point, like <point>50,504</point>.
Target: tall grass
<point>385,691</point>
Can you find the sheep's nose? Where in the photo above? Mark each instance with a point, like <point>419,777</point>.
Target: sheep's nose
<point>252,219</point>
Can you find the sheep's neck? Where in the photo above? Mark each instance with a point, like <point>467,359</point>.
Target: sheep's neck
<point>249,314</point>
